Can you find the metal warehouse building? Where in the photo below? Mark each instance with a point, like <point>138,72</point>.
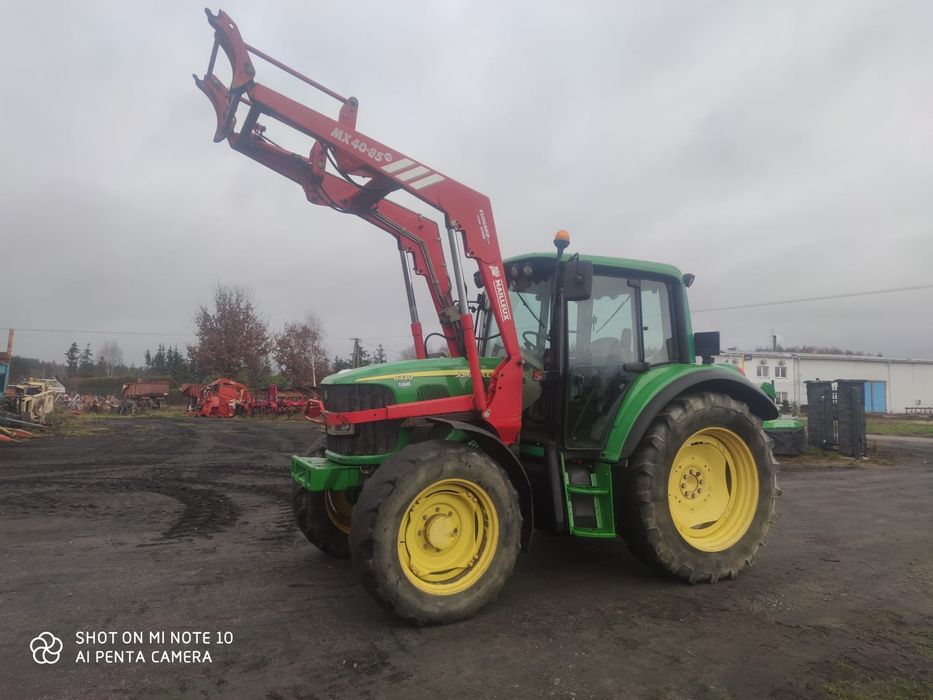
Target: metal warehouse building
<point>892,385</point>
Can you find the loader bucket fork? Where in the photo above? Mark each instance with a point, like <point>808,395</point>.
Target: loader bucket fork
<point>352,155</point>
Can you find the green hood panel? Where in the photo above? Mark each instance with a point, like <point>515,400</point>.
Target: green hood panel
<point>434,378</point>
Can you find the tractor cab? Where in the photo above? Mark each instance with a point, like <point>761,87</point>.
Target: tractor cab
<point>590,328</point>
<point>627,318</point>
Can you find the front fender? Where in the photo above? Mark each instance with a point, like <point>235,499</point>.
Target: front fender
<point>653,390</point>
<point>505,458</point>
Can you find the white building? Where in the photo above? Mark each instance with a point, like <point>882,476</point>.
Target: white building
<point>893,385</point>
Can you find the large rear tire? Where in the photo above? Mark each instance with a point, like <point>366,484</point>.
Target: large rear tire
<point>698,497</point>
<point>436,532</point>
<point>324,518</point>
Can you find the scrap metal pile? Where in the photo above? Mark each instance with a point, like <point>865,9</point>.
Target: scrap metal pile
<point>14,434</point>
<point>31,400</point>
<point>27,405</point>
<point>89,403</point>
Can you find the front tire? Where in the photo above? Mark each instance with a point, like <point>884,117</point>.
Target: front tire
<point>324,518</point>
<point>698,497</point>
<point>436,532</point>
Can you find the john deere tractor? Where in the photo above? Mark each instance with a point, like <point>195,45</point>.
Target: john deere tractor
<point>565,393</point>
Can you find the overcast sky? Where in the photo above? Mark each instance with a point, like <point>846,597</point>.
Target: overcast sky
<point>776,150</point>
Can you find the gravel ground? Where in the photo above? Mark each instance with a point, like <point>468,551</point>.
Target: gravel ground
<point>163,525</point>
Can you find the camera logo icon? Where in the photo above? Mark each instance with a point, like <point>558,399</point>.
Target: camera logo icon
<point>46,648</point>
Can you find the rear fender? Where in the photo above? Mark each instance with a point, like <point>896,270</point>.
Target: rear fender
<point>651,392</point>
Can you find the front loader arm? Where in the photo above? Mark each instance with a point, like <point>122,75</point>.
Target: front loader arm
<point>415,234</point>
<point>467,213</point>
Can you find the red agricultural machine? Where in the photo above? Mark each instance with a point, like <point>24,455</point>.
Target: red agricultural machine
<point>223,398</point>
<point>280,403</point>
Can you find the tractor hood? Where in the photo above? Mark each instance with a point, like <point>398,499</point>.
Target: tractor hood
<point>415,380</point>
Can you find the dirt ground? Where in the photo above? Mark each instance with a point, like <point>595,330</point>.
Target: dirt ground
<point>185,525</point>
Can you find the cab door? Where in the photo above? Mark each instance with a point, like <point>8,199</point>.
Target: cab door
<point>622,330</point>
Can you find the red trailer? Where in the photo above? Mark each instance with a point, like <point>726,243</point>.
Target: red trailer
<point>146,394</point>
<point>192,393</point>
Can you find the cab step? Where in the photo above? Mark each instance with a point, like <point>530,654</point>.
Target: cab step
<point>588,491</point>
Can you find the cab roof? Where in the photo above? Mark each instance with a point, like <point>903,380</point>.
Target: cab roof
<point>605,261</point>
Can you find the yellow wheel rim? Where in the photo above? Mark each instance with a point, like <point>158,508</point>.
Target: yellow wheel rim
<point>338,509</point>
<point>448,537</point>
<point>712,490</point>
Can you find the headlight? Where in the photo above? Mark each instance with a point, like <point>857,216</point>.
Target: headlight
<point>341,429</point>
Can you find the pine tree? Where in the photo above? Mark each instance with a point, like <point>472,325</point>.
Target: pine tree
<point>148,359</point>
<point>86,361</point>
<point>159,364</point>
<point>72,357</point>
<point>175,363</point>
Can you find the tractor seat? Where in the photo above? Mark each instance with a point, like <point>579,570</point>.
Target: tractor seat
<point>604,351</point>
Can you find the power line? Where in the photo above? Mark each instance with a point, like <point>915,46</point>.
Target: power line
<point>822,298</point>
<point>696,311</point>
<point>373,345</point>
<point>68,330</point>
<point>404,335</point>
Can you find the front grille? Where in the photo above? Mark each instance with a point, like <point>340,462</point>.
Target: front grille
<point>368,438</point>
<point>427,392</point>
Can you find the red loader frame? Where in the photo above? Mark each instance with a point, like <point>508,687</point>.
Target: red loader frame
<point>355,155</point>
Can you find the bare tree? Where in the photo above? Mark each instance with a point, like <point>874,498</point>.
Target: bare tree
<point>110,356</point>
<point>299,352</point>
<point>233,340</point>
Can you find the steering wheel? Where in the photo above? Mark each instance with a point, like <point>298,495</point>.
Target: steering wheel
<point>530,359</point>
<point>530,344</point>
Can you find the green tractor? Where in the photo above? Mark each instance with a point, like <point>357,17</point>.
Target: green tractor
<point>625,437</point>
<point>566,395</point>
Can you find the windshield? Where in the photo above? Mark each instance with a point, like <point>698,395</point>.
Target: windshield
<point>530,294</point>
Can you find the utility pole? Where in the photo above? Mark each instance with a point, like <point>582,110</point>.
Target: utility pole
<point>6,363</point>
<point>357,359</point>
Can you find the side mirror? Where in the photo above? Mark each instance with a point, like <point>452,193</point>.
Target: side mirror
<point>578,280</point>
<point>706,344</point>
